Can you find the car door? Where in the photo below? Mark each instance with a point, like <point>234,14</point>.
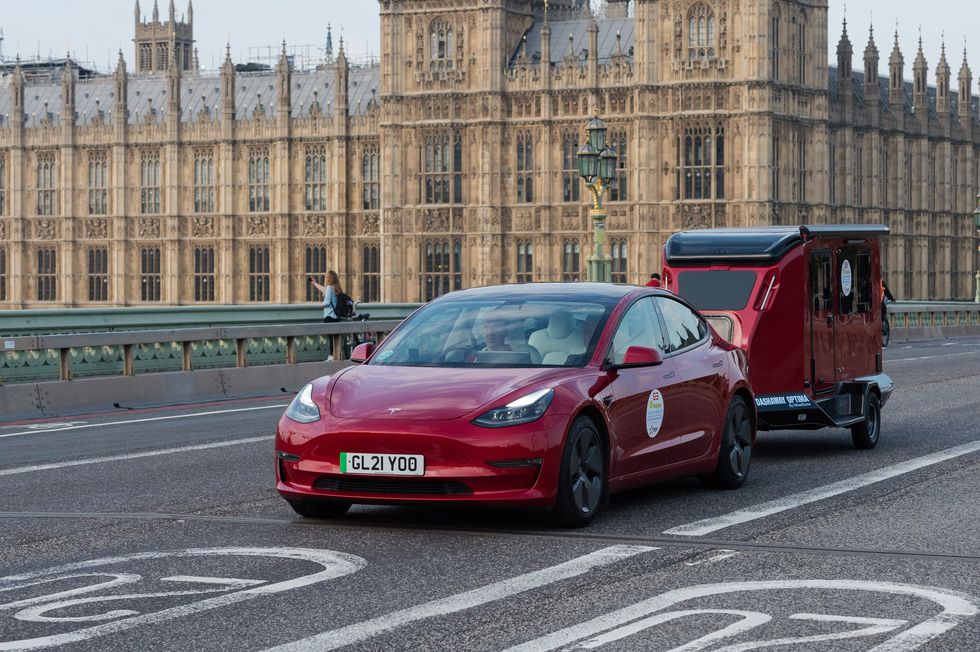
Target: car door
<point>636,398</point>
<point>700,384</point>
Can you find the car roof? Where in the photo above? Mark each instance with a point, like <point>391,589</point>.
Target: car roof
<point>766,244</point>
<point>602,292</point>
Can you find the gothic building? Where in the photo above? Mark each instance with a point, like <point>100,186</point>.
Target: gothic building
<point>451,162</point>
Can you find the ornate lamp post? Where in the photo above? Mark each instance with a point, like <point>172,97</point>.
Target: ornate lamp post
<point>976,220</point>
<point>597,165</point>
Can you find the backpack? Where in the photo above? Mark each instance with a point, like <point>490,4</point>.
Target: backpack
<point>344,308</point>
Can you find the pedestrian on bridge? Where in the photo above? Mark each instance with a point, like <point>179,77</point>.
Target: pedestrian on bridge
<point>331,291</point>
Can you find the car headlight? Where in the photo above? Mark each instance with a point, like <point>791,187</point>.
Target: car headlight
<point>303,409</point>
<point>523,410</point>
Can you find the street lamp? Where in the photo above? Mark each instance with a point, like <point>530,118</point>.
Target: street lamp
<point>976,220</point>
<point>597,166</point>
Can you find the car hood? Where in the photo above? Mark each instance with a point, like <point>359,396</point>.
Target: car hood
<point>428,393</point>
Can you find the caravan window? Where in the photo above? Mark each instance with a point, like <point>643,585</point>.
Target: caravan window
<point>717,289</point>
<point>854,280</point>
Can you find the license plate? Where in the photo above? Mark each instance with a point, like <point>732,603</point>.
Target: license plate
<point>382,464</point>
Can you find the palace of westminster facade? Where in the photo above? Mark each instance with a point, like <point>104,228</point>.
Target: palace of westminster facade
<point>450,163</point>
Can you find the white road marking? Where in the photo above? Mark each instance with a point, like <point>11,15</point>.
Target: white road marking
<point>333,565</point>
<point>46,426</point>
<point>146,420</point>
<point>226,581</point>
<point>331,640</point>
<point>133,456</point>
<point>956,608</point>
<point>762,510</point>
<point>724,554</point>
<point>930,357</point>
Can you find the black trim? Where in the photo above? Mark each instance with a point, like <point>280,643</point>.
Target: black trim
<point>390,485</point>
<point>756,244</point>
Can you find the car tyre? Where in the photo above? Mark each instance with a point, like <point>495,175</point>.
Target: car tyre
<point>582,476</point>
<point>319,509</point>
<point>735,452</point>
<point>865,435</point>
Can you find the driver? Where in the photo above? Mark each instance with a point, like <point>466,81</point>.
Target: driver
<point>495,333</point>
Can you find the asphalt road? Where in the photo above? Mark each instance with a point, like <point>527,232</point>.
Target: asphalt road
<point>160,530</point>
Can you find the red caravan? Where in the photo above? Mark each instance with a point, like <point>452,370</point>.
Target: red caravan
<point>805,303</point>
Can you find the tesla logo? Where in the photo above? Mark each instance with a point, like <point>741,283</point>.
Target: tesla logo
<point>393,410</point>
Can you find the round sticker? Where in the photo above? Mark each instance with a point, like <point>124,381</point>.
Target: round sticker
<point>655,413</point>
<point>845,278</point>
<point>385,355</point>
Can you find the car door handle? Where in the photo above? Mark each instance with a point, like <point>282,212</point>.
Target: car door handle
<point>669,376</point>
<point>718,364</point>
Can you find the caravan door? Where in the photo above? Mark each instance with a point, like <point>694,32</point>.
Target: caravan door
<point>823,362</point>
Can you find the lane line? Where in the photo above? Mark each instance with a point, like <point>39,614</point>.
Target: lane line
<point>762,510</point>
<point>146,420</point>
<point>357,632</point>
<point>931,357</point>
<point>133,456</point>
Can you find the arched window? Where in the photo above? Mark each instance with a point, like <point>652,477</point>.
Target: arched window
<point>571,261</point>
<point>701,32</point>
<point>371,272</point>
<point>618,250</point>
<point>702,163</point>
<point>525,261</point>
<point>442,266</point>
<point>441,42</point>
<point>525,168</point>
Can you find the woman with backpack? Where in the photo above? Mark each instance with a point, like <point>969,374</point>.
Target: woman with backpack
<point>336,304</point>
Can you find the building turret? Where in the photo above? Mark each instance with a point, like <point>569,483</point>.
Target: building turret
<point>328,51</point>
<point>965,98</point>
<point>920,91</point>
<point>284,94</point>
<point>139,17</point>
<point>17,98</point>
<point>341,75</point>
<point>872,92</point>
<point>546,51</point>
<point>173,94</point>
<point>943,100</point>
<point>844,54</point>
<point>190,12</point>
<point>68,94</point>
<point>896,82</point>
<point>593,31</point>
<point>157,43</point>
<point>227,93</point>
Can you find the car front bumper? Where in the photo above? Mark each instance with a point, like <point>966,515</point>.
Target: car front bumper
<point>464,463</point>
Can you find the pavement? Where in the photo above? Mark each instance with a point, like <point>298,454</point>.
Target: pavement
<point>159,529</point>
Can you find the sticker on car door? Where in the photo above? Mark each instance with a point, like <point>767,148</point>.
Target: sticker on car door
<point>655,413</point>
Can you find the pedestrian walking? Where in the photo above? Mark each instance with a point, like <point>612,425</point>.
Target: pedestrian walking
<point>654,281</point>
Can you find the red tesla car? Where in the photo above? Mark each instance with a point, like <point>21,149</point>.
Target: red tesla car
<point>550,395</point>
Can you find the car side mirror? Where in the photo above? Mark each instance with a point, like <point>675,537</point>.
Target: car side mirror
<point>362,352</point>
<point>640,356</point>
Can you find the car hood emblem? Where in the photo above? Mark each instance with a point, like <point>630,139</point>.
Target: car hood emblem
<point>393,410</point>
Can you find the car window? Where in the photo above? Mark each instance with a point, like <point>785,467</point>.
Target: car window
<point>639,327</point>
<point>514,332</point>
<point>684,326</point>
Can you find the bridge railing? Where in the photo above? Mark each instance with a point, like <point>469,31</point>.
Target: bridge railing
<point>78,355</point>
<point>912,315</point>
<point>141,350</point>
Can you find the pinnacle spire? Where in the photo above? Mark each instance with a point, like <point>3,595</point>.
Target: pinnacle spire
<point>156,12</point>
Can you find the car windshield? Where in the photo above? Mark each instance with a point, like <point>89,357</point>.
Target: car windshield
<point>717,289</point>
<point>497,333</point>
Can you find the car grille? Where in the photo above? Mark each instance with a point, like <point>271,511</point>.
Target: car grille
<point>391,486</point>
